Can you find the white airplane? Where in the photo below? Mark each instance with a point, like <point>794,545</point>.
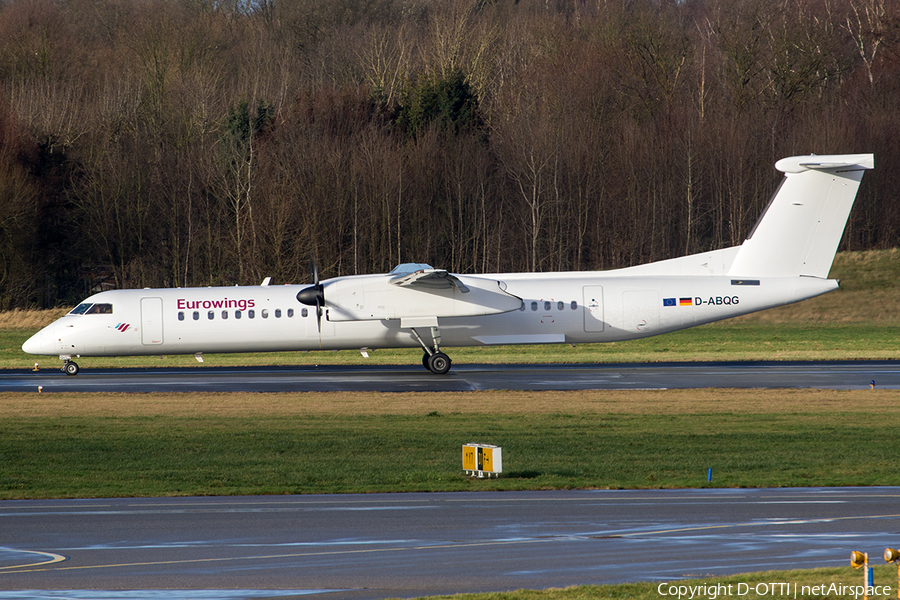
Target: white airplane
<point>785,259</point>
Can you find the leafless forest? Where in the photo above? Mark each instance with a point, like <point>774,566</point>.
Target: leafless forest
<point>199,142</point>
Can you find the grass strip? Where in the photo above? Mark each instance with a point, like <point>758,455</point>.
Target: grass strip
<point>97,445</point>
<point>823,583</point>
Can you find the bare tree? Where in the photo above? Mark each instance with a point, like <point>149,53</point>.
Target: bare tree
<point>866,25</point>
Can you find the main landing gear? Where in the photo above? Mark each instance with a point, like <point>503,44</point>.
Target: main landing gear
<point>69,367</point>
<point>434,360</point>
<point>438,363</point>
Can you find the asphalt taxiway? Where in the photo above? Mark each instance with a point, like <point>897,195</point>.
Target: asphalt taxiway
<point>831,375</point>
<point>374,546</point>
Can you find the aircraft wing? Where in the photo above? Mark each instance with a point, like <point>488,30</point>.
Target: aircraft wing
<point>420,292</point>
<point>430,279</point>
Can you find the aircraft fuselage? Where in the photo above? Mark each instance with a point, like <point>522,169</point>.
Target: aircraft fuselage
<point>554,308</point>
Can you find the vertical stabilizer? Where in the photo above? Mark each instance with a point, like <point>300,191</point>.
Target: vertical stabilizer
<point>799,232</point>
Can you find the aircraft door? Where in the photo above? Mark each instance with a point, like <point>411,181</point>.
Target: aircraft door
<point>593,308</point>
<point>641,311</point>
<point>151,321</point>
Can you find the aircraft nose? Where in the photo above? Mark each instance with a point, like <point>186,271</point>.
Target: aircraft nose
<point>43,342</point>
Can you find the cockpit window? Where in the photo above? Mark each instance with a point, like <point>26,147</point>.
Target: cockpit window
<point>80,309</point>
<point>100,309</point>
<point>92,309</point>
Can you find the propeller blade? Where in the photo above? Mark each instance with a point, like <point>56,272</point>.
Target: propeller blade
<point>314,269</point>
<point>319,319</point>
<point>314,295</point>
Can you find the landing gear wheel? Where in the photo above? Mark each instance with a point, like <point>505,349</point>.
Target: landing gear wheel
<point>70,368</point>
<point>425,358</point>
<point>439,363</point>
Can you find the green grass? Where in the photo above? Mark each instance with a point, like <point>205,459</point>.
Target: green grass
<point>805,581</point>
<point>801,440</point>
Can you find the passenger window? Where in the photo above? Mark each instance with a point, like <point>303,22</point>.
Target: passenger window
<point>180,316</point>
<point>237,314</point>
<point>534,306</point>
<point>574,305</point>
<point>100,309</point>
<point>560,305</point>
<point>304,312</point>
<point>546,305</point>
<point>224,314</point>
<point>196,316</point>
<point>265,313</point>
<point>211,315</point>
<point>251,314</point>
<point>290,312</point>
<point>277,313</point>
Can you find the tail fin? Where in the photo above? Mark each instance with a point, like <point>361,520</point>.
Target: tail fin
<point>799,232</point>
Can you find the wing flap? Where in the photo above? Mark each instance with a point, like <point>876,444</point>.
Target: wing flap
<point>430,279</point>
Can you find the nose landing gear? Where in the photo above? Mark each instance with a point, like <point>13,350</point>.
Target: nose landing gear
<point>69,367</point>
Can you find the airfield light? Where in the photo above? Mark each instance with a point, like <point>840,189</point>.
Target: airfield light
<point>892,555</point>
<point>861,559</point>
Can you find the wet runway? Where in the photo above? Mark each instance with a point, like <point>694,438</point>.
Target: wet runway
<point>404,545</point>
<point>831,375</point>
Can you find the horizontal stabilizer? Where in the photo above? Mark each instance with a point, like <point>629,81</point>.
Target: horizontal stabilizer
<point>798,164</point>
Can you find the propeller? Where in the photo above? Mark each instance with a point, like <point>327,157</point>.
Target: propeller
<point>314,295</point>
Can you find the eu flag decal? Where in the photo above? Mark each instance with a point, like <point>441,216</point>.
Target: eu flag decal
<point>668,301</point>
